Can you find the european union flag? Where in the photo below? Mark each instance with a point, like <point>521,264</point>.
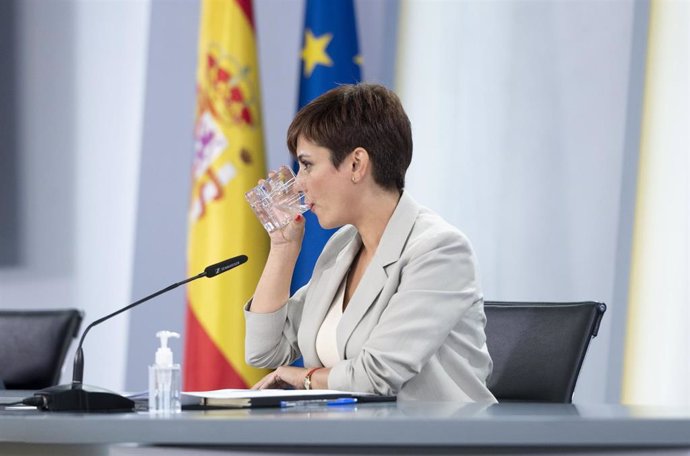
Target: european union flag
<point>330,57</point>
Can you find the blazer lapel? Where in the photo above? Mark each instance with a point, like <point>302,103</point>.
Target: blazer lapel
<point>388,252</point>
<point>321,297</point>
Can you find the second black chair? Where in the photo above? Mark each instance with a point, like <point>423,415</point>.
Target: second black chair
<point>538,348</point>
<point>33,345</point>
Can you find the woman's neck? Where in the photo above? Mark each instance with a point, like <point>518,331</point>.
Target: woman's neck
<point>371,225</point>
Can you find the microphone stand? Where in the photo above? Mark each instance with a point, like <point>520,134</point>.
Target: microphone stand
<point>77,397</point>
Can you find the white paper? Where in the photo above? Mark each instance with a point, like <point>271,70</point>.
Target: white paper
<point>249,393</point>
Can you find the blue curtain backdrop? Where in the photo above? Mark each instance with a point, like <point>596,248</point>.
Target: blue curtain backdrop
<point>330,56</point>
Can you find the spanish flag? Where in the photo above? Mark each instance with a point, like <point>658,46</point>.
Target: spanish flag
<point>228,161</point>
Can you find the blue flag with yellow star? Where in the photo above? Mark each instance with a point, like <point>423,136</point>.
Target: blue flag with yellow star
<point>330,57</point>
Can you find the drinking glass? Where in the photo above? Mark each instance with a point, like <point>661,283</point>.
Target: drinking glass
<point>275,201</point>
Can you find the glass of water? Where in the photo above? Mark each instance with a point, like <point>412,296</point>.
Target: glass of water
<point>275,202</point>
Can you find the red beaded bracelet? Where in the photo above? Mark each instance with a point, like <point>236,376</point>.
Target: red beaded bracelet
<point>307,378</point>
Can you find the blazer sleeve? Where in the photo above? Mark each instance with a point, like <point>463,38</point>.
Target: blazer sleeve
<point>438,285</point>
<point>271,338</point>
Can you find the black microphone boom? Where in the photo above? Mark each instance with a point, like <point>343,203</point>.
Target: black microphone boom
<point>77,397</point>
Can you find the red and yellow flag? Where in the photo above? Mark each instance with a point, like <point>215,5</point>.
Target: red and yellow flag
<point>228,161</point>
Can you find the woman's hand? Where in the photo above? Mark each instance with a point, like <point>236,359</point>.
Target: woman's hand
<point>282,378</point>
<point>290,234</point>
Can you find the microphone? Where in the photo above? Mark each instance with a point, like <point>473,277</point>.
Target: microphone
<point>219,268</point>
<point>77,397</point>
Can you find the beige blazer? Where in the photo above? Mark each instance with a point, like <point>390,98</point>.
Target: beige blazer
<point>414,326</point>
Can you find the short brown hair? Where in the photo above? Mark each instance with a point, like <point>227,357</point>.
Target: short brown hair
<point>359,115</point>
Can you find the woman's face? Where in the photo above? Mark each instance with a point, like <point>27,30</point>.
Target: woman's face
<point>328,190</point>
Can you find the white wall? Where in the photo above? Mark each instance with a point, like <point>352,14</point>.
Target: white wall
<point>111,48</point>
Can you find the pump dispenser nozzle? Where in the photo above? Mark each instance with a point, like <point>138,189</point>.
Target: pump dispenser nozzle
<point>164,356</point>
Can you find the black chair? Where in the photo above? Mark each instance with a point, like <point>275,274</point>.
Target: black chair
<point>33,345</point>
<point>538,348</point>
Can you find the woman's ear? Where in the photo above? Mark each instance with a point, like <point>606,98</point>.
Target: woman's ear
<point>360,164</point>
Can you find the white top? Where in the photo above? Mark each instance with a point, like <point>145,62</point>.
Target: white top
<point>326,344</point>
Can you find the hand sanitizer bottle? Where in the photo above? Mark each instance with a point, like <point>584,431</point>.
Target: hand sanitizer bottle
<point>164,379</point>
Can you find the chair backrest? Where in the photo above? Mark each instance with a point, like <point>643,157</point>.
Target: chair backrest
<point>538,347</point>
<point>33,345</point>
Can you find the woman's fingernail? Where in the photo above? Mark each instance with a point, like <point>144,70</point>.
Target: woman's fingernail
<point>298,218</point>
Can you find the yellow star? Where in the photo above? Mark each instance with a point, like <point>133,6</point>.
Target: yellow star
<point>358,60</point>
<point>314,52</point>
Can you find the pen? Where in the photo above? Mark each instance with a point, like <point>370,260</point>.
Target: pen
<point>318,402</point>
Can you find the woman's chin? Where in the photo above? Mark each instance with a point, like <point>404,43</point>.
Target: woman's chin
<point>324,223</point>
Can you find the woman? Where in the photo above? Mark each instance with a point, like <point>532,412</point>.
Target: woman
<point>393,305</point>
